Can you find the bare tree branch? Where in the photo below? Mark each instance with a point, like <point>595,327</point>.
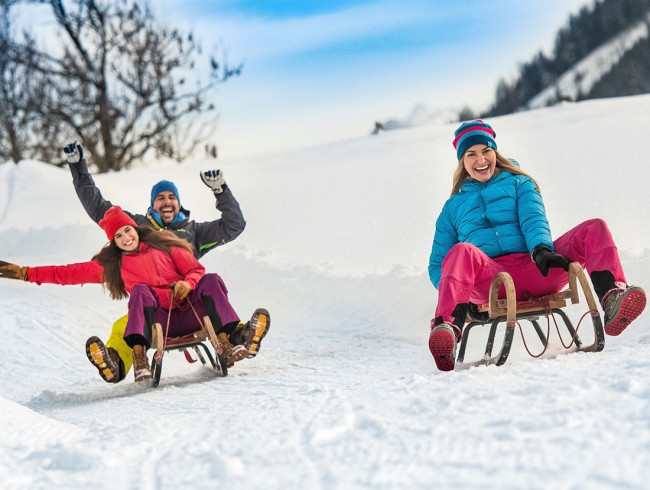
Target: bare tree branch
<point>119,83</point>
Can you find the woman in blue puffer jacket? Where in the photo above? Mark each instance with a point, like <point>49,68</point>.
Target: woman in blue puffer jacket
<point>495,221</point>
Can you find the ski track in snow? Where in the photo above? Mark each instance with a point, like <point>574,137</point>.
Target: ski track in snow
<point>344,394</point>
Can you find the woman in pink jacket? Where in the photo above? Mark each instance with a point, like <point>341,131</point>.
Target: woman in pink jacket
<point>158,273</point>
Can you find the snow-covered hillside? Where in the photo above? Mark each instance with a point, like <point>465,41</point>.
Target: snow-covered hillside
<point>584,75</point>
<point>344,393</point>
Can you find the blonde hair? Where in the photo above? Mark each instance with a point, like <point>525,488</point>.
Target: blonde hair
<point>503,163</point>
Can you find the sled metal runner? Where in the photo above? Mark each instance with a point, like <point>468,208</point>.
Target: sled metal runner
<point>511,311</point>
<point>195,341</point>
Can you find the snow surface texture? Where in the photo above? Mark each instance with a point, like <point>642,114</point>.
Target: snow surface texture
<point>344,393</point>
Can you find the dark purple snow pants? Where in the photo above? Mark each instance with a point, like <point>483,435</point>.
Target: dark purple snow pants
<point>183,320</point>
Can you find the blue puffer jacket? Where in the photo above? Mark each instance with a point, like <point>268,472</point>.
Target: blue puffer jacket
<point>503,216</point>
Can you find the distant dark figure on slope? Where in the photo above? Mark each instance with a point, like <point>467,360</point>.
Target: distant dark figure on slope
<point>162,278</point>
<point>495,221</point>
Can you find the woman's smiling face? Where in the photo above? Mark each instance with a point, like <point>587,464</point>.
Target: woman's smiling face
<point>126,238</point>
<point>480,162</point>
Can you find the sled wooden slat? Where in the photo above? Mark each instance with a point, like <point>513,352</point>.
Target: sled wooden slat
<point>510,311</point>
<point>189,340</point>
<point>557,300</point>
<point>196,340</point>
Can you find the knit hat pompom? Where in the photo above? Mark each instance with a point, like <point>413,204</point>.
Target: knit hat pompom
<point>114,219</point>
<point>472,133</point>
<point>164,185</point>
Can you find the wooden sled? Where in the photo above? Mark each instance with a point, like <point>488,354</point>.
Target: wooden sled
<point>195,341</point>
<point>511,312</point>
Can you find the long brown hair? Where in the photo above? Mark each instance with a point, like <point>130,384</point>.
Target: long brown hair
<point>503,163</point>
<point>110,257</point>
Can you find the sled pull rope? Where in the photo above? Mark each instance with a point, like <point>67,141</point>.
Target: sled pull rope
<point>548,331</point>
<point>505,279</point>
<point>573,337</point>
<point>169,314</point>
<point>169,318</point>
<point>576,276</point>
<point>549,315</point>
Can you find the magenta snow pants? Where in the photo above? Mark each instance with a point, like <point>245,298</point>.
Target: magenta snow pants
<point>467,272</point>
<point>183,319</point>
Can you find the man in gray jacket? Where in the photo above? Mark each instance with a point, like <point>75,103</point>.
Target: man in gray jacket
<point>113,359</point>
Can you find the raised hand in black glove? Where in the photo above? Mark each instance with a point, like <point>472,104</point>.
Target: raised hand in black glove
<point>545,259</point>
<point>74,152</point>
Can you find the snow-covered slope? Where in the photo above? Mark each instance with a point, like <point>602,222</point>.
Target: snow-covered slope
<point>344,393</point>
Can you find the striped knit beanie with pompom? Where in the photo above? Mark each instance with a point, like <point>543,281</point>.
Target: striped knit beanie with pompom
<point>472,133</point>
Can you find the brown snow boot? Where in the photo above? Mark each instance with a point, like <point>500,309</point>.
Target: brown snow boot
<point>106,360</point>
<point>251,333</point>
<point>232,353</point>
<point>141,369</point>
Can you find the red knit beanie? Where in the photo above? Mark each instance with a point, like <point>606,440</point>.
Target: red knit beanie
<point>114,219</point>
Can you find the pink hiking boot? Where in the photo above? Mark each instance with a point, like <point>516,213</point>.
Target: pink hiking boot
<point>621,306</point>
<point>442,344</point>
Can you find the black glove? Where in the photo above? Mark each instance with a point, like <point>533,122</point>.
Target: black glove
<point>73,152</point>
<point>12,271</point>
<point>545,259</point>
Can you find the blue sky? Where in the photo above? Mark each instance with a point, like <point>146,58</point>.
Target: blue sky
<point>320,71</point>
<point>273,10</point>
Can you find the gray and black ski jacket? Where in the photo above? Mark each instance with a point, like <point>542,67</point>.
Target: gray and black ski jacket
<point>203,236</point>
